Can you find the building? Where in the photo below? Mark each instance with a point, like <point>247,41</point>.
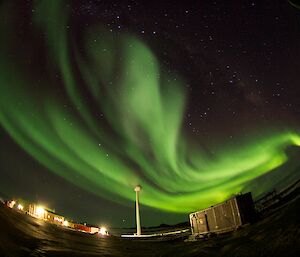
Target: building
<point>70,224</point>
<point>46,214</point>
<point>49,215</point>
<point>226,216</point>
<point>82,228</point>
<point>54,218</point>
<point>10,204</point>
<point>19,205</point>
<point>86,228</point>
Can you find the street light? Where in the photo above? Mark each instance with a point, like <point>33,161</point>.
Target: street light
<point>137,189</point>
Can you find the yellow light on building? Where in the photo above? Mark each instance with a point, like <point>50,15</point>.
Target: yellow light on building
<point>58,219</point>
<point>66,223</point>
<point>12,204</point>
<point>40,211</point>
<point>20,207</point>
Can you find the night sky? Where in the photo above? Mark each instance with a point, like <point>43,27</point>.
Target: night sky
<point>194,100</point>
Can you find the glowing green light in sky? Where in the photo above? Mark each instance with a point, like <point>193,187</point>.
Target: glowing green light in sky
<point>295,3</point>
<point>140,142</point>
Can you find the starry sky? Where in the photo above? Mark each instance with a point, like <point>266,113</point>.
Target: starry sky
<point>195,101</point>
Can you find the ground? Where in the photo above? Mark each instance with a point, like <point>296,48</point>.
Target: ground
<point>278,234</point>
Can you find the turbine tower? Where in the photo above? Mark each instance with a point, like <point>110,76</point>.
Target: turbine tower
<point>137,189</point>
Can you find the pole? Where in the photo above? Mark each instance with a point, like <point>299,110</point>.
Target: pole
<point>137,209</point>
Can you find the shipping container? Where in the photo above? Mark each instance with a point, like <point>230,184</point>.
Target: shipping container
<point>226,216</point>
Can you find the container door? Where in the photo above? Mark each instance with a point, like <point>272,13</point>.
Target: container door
<point>202,222</point>
<point>194,225</point>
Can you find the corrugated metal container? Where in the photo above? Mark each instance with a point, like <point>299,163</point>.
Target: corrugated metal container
<point>226,216</point>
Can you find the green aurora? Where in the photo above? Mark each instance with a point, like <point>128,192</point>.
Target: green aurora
<point>295,3</point>
<point>135,136</point>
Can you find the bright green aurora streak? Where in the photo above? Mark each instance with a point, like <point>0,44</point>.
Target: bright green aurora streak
<point>140,141</point>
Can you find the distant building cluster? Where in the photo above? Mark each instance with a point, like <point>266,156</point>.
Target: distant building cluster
<point>50,216</point>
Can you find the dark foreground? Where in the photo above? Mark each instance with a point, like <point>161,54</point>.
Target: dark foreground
<point>276,235</point>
